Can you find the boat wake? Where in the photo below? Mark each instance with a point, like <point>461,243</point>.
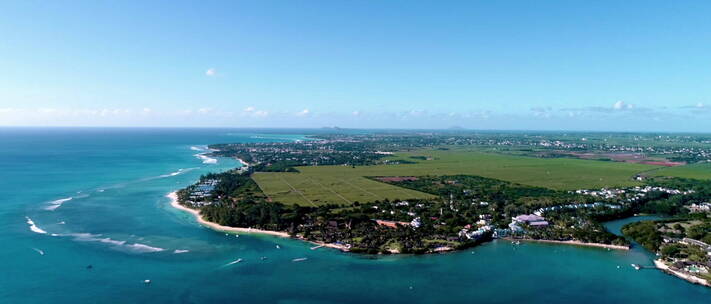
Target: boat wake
<point>232,263</point>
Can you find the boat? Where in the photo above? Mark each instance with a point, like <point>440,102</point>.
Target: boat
<point>277,247</point>
<point>263,258</point>
<point>146,282</point>
<point>636,267</point>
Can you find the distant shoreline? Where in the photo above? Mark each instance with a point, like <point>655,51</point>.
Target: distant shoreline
<point>575,243</point>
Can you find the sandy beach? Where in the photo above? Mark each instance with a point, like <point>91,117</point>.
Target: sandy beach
<point>693,279</point>
<point>217,227</point>
<point>244,163</point>
<point>575,243</point>
<point>174,202</point>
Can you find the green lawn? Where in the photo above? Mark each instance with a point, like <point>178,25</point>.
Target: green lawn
<point>696,171</point>
<point>344,185</point>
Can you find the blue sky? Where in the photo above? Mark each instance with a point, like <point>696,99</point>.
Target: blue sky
<point>545,65</point>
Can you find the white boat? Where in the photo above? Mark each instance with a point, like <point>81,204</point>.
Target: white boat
<point>277,247</point>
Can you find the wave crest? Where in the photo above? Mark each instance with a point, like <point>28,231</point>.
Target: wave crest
<point>57,203</point>
<point>34,227</point>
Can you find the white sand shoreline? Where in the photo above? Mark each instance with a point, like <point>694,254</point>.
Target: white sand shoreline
<point>174,203</point>
<point>217,227</point>
<point>244,163</point>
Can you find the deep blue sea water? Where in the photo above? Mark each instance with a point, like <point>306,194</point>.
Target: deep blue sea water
<point>120,222</point>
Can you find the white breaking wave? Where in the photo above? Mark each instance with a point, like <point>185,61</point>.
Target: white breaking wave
<point>120,245</point>
<point>143,248</point>
<point>176,251</point>
<point>40,251</point>
<point>206,159</point>
<point>197,148</point>
<point>34,227</point>
<point>180,171</point>
<point>57,203</point>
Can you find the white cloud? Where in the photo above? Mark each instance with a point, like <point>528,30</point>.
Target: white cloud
<point>303,112</point>
<point>253,112</point>
<point>204,110</point>
<point>700,105</point>
<point>356,113</point>
<point>260,113</point>
<point>211,72</point>
<point>621,105</point>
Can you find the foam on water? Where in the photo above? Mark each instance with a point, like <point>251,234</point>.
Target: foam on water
<point>180,171</point>
<point>137,247</point>
<point>58,203</point>
<point>206,159</point>
<point>177,251</point>
<point>34,227</point>
<point>115,244</point>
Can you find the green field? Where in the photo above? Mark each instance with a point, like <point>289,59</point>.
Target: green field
<point>696,171</point>
<point>344,185</point>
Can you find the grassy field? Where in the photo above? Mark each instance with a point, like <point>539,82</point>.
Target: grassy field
<point>343,185</point>
<point>696,171</point>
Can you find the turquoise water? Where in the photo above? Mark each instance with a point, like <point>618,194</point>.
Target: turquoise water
<point>120,222</point>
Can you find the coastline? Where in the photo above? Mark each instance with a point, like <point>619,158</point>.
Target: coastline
<point>174,203</point>
<point>244,163</point>
<point>173,196</point>
<point>690,278</point>
<point>575,243</point>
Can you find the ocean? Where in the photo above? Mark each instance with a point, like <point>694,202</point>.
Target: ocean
<point>84,219</point>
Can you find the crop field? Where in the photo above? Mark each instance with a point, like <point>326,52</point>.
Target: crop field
<point>696,171</point>
<point>344,185</point>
